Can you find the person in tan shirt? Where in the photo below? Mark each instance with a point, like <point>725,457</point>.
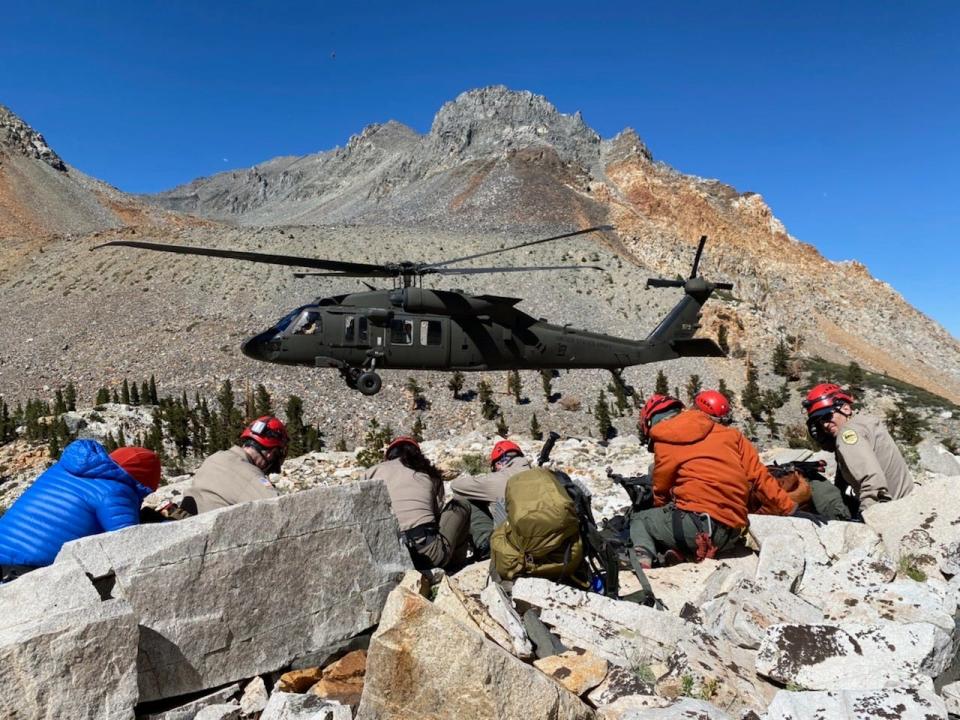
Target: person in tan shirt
<point>482,491</point>
<point>435,535</point>
<point>868,459</point>
<point>239,474</point>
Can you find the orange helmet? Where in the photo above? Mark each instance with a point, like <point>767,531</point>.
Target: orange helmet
<point>825,398</point>
<point>268,432</point>
<point>402,440</point>
<point>714,403</point>
<point>502,448</point>
<point>654,406</point>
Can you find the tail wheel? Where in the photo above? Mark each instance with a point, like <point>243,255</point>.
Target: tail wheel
<point>369,383</point>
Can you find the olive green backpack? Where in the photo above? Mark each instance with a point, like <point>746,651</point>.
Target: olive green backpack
<point>541,537</point>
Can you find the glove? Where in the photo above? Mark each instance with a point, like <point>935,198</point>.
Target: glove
<point>815,519</point>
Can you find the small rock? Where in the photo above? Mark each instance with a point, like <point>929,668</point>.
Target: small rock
<point>343,680</point>
<point>290,706</point>
<point>254,698</point>
<point>578,670</point>
<point>299,681</point>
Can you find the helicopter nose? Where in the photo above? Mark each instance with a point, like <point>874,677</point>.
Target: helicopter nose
<point>259,347</point>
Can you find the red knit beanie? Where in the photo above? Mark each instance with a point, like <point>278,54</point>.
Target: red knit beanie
<point>141,464</point>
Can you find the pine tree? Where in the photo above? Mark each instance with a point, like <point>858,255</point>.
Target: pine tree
<point>722,340</point>
<point>134,394</point>
<point>502,429</point>
<point>855,380</point>
<point>750,429</point>
<point>781,359</point>
<point>341,445</point>
<point>313,439</point>
<point>376,439</point>
<point>772,426</point>
<point>618,389</point>
<point>59,404</point>
<point>103,396</point>
<point>145,393</point>
<point>231,419</point>
<point>115,398</point>
<point>178,427</point>
<point>456,384</point>
<point>295,427</point>
<point>546,381</point>
<point>417,400</point>
<point>249,411</point>
<point>70,396</point>
<point>750,398</point>
<point>263,403</point>
<point>601,412</point>
<point>417,432</point>
<point>121,437</point>
<point>693,387</point>
<point>488,408</point>
<point>662,386</point>
<point>152,391</point>
<point>535,432</point>
<point>6,424</point>
<point>725,391</point>
<point>514,385</point>
<point>109,443</point>
<point>53,445</point>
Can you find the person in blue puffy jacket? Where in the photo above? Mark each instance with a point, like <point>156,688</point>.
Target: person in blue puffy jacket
<point>85,493</point>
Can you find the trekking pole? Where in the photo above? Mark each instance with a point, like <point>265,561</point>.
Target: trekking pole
<point>547,448</point>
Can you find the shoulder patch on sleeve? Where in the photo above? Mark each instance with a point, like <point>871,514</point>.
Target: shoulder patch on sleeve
<point>850,437</point>
<point>266,481</point>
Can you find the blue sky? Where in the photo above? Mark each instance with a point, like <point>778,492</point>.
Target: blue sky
<point>843,115</point>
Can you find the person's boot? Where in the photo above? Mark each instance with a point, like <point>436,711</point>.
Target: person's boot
<point>672,557</point>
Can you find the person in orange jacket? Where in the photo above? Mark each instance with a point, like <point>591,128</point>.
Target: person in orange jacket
<point>703,473</point>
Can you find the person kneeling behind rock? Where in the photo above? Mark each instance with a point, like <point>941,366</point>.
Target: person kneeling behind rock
<point>436,536</point>
<point>482,491</point>
<point>86,492</point>
<point>703,473</point>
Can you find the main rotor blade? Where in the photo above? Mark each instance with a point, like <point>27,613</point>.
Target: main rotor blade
<point>477,271</point>
<point>696,258</point>
<point>333,274</point>
<point>514,247</point>
<point>288,260</point>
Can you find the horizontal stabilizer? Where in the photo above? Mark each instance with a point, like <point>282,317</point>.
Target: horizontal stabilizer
<point>696,347</point>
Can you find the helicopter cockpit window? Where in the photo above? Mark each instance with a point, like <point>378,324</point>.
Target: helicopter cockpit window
<point>401,332</point>
<point>349,328</point>
<point>308,323</point>
<point>430,333</point>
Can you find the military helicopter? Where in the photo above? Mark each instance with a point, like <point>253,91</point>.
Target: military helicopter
<point>410,327</point>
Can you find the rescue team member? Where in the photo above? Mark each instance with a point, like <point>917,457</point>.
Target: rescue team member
<point>868,459</point>
<point>826,498</point>
<point>86,492</point>
<point>480,491</point>
<point>703,474</point>
<point>436,536</point>
<point>239,474</point>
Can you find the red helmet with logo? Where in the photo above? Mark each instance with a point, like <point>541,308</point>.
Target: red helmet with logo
<point>402,440</point>
<point>502,448</point>
<point>654,406</point>
<point>267,431</point>
<point>714,403</point>
<point>825,398</point>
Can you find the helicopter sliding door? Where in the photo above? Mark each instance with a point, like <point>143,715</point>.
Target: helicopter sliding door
<point>418,342</point>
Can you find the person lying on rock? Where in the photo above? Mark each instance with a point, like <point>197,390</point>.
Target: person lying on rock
<point>868,460</point>
<point>239,474</point>
<point>482,491</point>
<point>703,474</point>
<point>813,493</point>
<point>86,492</point>
<point>436,535</point>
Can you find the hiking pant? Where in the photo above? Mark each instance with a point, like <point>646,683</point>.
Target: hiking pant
<point>651,531</point>
<point>828,501</point>
<point>449,547</point>
<point>481,528</point>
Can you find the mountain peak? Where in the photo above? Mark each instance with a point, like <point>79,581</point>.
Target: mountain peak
<point>19,137</point>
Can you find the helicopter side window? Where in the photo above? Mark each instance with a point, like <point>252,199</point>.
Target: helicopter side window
<point>362,333</point>
<point>430,332</point>
<point>349,324</point>
<point>308,323</point>
<point>401,332</point>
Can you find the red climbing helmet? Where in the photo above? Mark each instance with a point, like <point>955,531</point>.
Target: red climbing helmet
<point>825,398</point>
<point>502,448</point>
<point>714,403</point>
<point>654,406</point>
<point>268,432</point>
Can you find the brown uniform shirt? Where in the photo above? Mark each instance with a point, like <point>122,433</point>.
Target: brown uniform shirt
<point>229,478</point>
<point>871,462</point>
<point>412,495</point>
<point>490,487</point>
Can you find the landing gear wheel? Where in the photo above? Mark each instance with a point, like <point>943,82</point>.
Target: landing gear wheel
<point>369,383</point>
<point>350,376</point>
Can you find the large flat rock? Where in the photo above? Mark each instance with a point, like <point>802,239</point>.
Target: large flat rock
<point>423,663</point>
<point>910,703</point>
<point>65,653</point>
<point>248,589</point>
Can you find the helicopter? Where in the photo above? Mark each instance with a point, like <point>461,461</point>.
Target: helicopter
<point>410,327</point>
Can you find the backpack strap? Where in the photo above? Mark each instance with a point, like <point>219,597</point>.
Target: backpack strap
<point>644,596</point>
